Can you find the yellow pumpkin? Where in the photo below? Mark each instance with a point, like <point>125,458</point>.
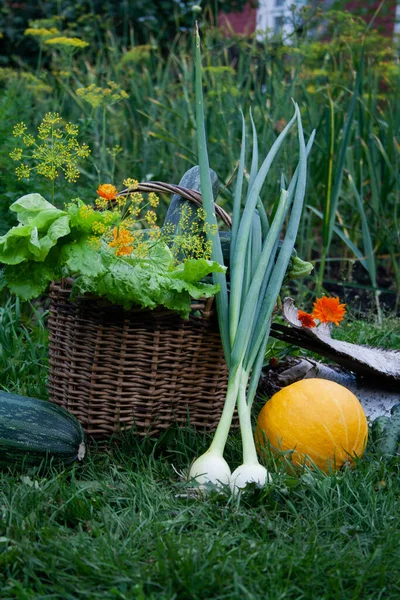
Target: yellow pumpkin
<point>316,419</point>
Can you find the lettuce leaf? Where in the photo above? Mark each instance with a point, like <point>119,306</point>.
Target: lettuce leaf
<point>82,222</point>
<point>195,269</point>
<point>34,207</point>
<point>82,258</point>
<point>41,226</point>
<point>148,283</point>
<point>30,279</point>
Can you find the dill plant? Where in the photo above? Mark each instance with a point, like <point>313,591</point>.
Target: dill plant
<point>55,150</point>
<point>102,98</point>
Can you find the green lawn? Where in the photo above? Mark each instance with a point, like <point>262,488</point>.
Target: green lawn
<point>125,525</point>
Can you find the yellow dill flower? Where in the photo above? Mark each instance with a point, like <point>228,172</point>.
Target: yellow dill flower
<point>63,41</point>
<point>100,97</point>
<point>85,212</point>
<point>169,229</point>
<point>51,118</point>
<point>19,129</point>
<point>142,250</point>
<point>114,151</point>
<point>153,199</point>
<point>131,183</point>
<point>136,198</point>
<point>71,129</point>
<point>151,217</point>
<point>138,236</point>
<point>23,172</point>
<point>82,150</point>
<point>129,222</point>
<point>134,211</point>
<point>16,154</point>
<point>42,32</point>
<point>71,173</point>
<point>101,203</point>
<point>189,240</point>
<point>211,229</point>
<point>154,233</point>
<point>94,242</point>
<point>108,217</point>
<point>207,249</point>
<point>99,228</point>
<point>201,213</point>
<point>121,201</point>
<point>28,140</point>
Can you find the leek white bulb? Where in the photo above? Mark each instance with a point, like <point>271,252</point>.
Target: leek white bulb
<point>210,467</point>
<point>249,473</point>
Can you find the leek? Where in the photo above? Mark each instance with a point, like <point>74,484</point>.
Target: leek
<point>256,274</point>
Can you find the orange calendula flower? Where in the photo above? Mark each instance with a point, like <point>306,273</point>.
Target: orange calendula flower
<point>328,310</point>
<point>107,191</point>
<point>122,240</point>
<point>306,319</point>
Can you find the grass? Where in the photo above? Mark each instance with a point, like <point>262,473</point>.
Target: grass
<point>121,526</point>
<point>125,525</point>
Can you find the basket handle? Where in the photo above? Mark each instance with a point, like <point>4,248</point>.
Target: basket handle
<point>195,197</point>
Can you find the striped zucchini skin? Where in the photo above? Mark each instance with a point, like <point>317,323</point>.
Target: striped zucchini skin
<point>32,430</point>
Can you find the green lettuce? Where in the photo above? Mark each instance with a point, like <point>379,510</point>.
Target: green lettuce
<point>150,283</point>
<point>41,225</point>
<point>49,243</point>
<point>30,279</point>
<point>81,258</point>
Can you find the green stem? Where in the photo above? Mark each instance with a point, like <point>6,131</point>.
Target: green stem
<point>327,219</point>
<point>246,430</point>
<point>222,431</point>
<point>321,271</point>
<point>103,142</point>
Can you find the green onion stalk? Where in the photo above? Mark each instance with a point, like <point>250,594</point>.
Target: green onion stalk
<point>257,270</point>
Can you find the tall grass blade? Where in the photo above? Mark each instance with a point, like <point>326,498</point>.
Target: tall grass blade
<point>367,240</point>
<point>333,197</point>
<point>356,251</point>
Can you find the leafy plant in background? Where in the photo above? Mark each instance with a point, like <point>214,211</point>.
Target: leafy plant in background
<point>95,18</point>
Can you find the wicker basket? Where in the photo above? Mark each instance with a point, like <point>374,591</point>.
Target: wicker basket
<point>114,369</point>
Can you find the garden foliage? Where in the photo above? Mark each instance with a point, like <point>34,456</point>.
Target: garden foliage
<point>134,101</point>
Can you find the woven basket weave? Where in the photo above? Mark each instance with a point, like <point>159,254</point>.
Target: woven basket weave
<point>114,369</point>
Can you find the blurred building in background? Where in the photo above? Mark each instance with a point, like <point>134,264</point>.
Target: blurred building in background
<point>275,16</point>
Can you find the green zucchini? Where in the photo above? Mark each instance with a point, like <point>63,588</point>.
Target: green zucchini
<point>33,430</point>
<point>386,432</point>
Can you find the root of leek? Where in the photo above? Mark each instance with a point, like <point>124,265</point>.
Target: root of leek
<point>249,473</point>
<point>210,467</point>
